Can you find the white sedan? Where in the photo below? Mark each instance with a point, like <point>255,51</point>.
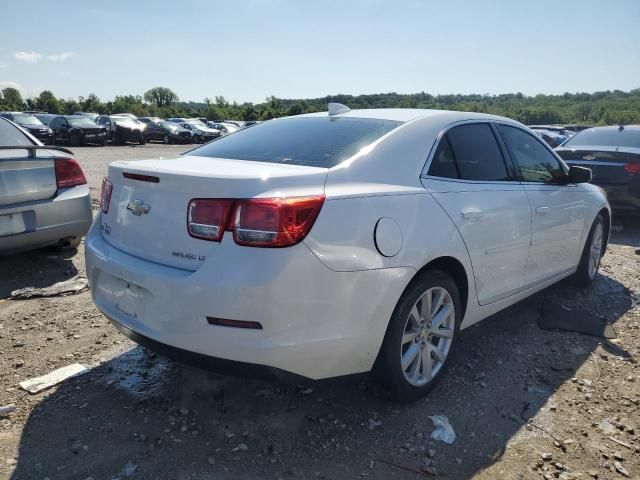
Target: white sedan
<point>331,244</point>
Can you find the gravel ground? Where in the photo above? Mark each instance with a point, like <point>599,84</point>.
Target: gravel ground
<point>524,402</point>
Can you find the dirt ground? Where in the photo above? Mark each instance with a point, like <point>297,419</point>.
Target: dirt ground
<point>524,402</point>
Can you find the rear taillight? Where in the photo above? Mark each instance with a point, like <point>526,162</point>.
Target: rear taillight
<point>105,194</point>
<point>207,218</point>
<point>257,222</point>
<point>274,222</point>
<point>632,168</point>
<point>68,173</point>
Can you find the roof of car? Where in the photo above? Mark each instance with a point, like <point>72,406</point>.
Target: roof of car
<point>405,114</point>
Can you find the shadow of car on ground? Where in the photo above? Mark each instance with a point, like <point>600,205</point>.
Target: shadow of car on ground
<point>141,416</point>
<point>36,268</point>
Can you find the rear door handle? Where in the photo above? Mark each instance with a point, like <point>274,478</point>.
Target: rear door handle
<point>471,213</point>
<point>542,210</point>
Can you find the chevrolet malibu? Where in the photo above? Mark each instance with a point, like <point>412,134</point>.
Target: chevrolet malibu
<point>331,244</point>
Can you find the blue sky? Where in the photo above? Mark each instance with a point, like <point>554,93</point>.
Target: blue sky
<point>247,50</point>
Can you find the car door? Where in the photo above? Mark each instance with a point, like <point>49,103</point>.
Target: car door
<point>65,135</point>
<point>155,131</point>
<point>55,126</point>
<point>557,207</point>
<point>472,179</point>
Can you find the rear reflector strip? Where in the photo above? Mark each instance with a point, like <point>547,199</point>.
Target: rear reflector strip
<point>142,178</point>
<point>223,322</point>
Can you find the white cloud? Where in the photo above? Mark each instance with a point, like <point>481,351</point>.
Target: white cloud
<point>60,57</point>
<point>15,85</point>
<point>3,65</point>
<point>30,57</point>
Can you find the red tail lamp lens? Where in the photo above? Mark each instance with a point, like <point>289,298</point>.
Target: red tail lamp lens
<point>632,168</point>
<point>68,173</point>
<point>207,218</point>
<point>275,222</point>
<point>105,194</point>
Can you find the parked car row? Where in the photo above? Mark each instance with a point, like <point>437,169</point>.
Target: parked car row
<point>83,128</point>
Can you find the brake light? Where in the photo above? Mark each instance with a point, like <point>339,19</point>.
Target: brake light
<point>105,194</point>
<point>68,173</point>
<point>274,222</point>
<point>632,168</point>
<point>207,218</point>
<point>256,222</point>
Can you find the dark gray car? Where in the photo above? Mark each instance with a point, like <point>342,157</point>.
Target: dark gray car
<point>613,155</point>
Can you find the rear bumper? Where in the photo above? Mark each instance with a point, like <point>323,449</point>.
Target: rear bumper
<point>219,365</point>
<point>317,323</point>
<point>68,214</point>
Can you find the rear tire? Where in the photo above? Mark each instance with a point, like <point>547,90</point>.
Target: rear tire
<point>141,139</point>
<point>69,244</point>
<point>421,336</point>
<point>592,253</point>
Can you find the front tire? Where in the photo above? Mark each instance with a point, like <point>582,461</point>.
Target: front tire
<point>592,253</point>
<point>166,140</point>
<point>420,337</point>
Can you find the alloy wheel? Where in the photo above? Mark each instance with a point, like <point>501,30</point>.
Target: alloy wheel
<point>595,251</point>
<point>427,336</point>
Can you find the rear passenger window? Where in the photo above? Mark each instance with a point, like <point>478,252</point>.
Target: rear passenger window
<point>470,152</point>
<point>537,164</point>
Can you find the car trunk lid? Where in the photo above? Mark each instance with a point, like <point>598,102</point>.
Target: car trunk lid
<point>147,215</point>
<point>25,177</point>
<point>607,163</point>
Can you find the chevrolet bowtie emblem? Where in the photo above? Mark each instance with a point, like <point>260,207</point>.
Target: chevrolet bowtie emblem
<point>138,208</point>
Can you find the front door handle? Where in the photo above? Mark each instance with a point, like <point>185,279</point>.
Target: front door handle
<point>471,213</point>
<point>542,210</point>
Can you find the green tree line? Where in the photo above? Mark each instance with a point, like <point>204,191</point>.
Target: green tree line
<point>598,108</point>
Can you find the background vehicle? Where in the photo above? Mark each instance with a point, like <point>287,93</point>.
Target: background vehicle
<point>90,115</point>
<point>44,196</point>
<point>613,155</point>
<point>45,117</point>
<point>121,129</point>
<point>167,132</point>
<point>552,138</point>
<point>77,130</point>
<point>149,120</point>
<point>224,128</point>
<point>30,123</point>
<point>201,133</point>
<point>448,217</point>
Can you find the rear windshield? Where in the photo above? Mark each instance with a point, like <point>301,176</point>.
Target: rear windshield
<point>11,135</point>
<point>310,141</point>
<point>606,137</point>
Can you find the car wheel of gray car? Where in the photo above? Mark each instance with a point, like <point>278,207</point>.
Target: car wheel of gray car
<point>166,140</point>
<point>70,243</point>
<point>420,337</point>
<point>592,253</point>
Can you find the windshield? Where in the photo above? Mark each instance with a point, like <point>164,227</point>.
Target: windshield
<point>310,141</point>
<point>82,122</point>
<point>611,137</point>
<point>169,125</point>
<point>25,119</point>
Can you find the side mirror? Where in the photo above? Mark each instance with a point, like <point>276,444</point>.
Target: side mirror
<point>579,175</point>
